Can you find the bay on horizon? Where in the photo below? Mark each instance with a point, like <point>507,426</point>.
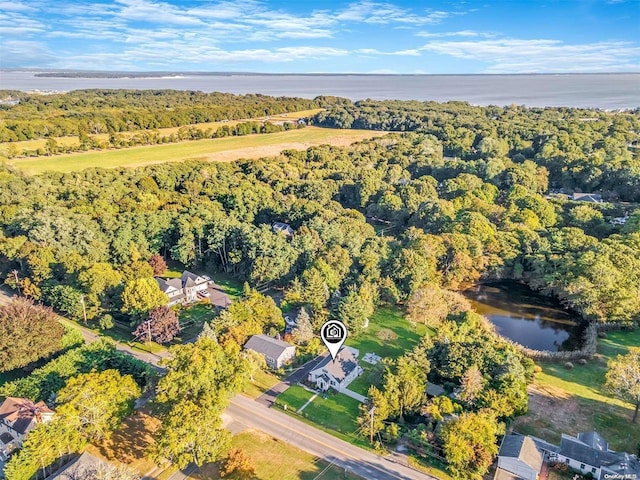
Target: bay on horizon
<point>604,91</point>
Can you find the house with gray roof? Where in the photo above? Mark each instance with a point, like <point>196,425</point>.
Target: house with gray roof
<point>587,197</point>
<point>276,352</point>
<point>518,458</point>
<point>338,373</point>
<point>191,287</point>
<point>18,416</point>
<point>589,453</point>
<point>283,228</point>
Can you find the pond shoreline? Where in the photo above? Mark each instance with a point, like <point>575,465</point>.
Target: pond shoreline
<point>526,317</point>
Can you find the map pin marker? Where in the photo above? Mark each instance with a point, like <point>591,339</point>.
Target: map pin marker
<point>333,334</point>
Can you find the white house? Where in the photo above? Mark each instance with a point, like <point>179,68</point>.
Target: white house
<point>589,453</point>
<point>276,352</point>
<point>190,288</point>
<point>18,416</point>
<point>338,373</point>
<point>518,458</point>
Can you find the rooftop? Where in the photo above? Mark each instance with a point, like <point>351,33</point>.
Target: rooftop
<point>523,448</point>
<point>268,346</point>
<point>20,412</point>
<point>344,363</point>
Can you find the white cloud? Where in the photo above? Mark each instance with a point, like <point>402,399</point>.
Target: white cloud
<point>459,33</point>
<point>18,25</point>
<point>412,52</point>
<point>382,13</point>
<point>28,52</point>
<point>16,6</point>
<point>542,55</point>
<point>155,12</point>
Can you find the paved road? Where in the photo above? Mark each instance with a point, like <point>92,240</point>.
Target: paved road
<point>297,376</point>
<point>303,436</point>
<point>280,425</point>
<point>90,336</point>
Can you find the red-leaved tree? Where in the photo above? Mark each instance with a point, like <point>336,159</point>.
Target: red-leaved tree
<point>158,264</point>
<point>161,326</point>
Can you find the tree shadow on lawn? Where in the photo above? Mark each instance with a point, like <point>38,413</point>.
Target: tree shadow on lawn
<point>129,443</point>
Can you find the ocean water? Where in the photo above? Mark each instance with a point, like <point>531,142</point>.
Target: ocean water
<point>605,91</point>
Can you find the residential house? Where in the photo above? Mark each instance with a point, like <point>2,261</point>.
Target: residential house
<point>518,459</point>
<point>589,453</point>
<point>190,288</point>
<point>283,228</point>
<point>338,373</point>
<point>18,416</point>
<point>587,197</point>
<point>435,390</point>
<point>276,352</point>
<point>81,467</point>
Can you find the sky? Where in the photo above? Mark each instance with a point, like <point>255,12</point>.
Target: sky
<point>323,36</point>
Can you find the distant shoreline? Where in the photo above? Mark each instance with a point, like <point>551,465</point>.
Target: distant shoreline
<point>607,91</point>
<point>172,74</point>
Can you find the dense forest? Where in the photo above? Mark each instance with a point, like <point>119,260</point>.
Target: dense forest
<point>84,112</point>
<point>583,150</point>
<point>402,220</point>
<point>451,221</point>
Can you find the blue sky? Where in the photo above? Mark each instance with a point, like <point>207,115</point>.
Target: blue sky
<point>362,36</point>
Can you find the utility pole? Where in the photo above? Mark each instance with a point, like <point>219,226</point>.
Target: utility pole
<point>15,274</point>
<point>84,310</point>
<point>373,409</point>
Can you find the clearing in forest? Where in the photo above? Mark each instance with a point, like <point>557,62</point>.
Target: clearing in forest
<point>213,150</point>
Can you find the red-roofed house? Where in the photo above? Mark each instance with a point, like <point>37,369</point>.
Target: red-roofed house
<point>17,417</point>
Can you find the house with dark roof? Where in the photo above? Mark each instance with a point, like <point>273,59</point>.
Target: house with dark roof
<point>518,459</point>
<point>338,373</point>
<point>589,453</point>
<point>283,228</point>
<point>190,288</point>
<point>18,416</point>
<point>276,352</point>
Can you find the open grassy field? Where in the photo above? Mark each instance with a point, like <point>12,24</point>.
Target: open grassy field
<point>262,382</point>
<point>573,401</point>
<point>393,319</point>
<point>294,397</point>
<point>388,318</point>
<point>74,141</point>
<point>192,318</point>
<point>276,460</point>
<point>212,150</point>
<point>336,412</point>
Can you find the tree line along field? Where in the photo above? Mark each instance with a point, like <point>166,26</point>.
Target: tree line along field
<point>74,141</point>
<point>90,240</point>
<point>221,149</point>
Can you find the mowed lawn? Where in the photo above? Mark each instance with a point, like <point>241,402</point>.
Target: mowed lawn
<point>573,401</point>
<point>274,459</point>
<point>294,397</point>
<point>390,318</point>
<point>192,319</point>
<point>336,412</point>
<point>261,383</point>
<point>219,149</point>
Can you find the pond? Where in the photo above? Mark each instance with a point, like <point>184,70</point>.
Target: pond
<point>524,316</point>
